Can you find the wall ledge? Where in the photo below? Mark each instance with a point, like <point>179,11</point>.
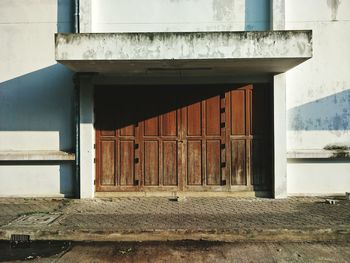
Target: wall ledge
<point>36,156</point>
<point>318,154</point>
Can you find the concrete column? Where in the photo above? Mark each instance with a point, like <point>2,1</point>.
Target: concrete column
<point>85,16</point>
<point>277,14</point>
<point>279,103</point>
<point>87,138</point>
<point>280,136</point>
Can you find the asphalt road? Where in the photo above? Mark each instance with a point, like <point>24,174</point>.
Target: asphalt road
<point>180,251</point>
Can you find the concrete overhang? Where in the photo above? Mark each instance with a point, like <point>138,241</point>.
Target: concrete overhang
<point>187,53</point>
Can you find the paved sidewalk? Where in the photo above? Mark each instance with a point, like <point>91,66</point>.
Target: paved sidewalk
<point>159,218</point>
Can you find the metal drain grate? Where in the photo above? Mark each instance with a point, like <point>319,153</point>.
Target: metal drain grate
<point>20,240</point>
<point>35,220</point>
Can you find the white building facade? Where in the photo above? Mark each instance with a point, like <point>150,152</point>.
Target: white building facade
<point>223,97</point>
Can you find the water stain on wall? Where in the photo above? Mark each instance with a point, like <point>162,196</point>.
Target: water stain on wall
<point>223,9</point>
<point>333,5</point>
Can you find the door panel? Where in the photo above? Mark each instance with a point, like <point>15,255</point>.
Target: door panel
<point>127,159</point>
<point>238,106</point>
<point>194,162</point>
<point>151,162</point>
<point>213,162</point>
<point>108,162</point>
<point>170,163</point>
<point>151,127</point>
<point>238,169</point>
<point>169,124</point>
<point>213,116</point>
<point>204,136</point>
<point>193,122</point>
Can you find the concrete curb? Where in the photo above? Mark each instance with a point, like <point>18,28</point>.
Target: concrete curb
<point>247,235</point>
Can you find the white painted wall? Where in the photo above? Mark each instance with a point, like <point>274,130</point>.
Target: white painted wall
<point>167,15</point>
<point>318,95</point>
<point>318,178</point>
<point>174,15</point>
<point>38,180</point>
<point>36,96</point>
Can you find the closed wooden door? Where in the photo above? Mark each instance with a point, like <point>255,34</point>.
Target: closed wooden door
<point>181,139</point>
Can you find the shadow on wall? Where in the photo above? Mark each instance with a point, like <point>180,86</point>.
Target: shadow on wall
<point>65,14</point>
<point>43,100</point>
<point>257,15</point>
<point>40,101</point>
<point>330,113</point>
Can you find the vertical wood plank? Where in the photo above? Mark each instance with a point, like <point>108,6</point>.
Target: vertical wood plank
<point>151,162</point>
<point>213,162</point>
<point>213,116</point>
<point>107,175</point>
<point>151,127</point>
<point>170,163</point>
<point>194,120</point>
<point>127,157</point>
<point>194,162</point>
<point>238,169</point>
<point>169,124</point>
<point>238,126</point>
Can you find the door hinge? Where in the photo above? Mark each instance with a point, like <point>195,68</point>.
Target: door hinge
<point>94,145</point>
<point>94,160</point>
<point>94,182</point>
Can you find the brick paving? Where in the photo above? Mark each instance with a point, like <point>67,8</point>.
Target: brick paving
<point>147,214</point>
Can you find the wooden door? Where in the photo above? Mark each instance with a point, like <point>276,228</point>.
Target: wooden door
<point>182,139</point>
<point>203,136</point>
<point>160,151</point>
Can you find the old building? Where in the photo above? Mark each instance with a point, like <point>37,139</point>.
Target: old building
<point>239,97</point>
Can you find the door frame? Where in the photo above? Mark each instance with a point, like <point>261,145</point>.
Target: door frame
<point>86,120</point>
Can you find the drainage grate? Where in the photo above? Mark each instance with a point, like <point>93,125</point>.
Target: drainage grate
<point>18,240</point>
<point>34,220</point>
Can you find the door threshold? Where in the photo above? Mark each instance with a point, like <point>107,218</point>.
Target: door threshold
<point>244,194</point>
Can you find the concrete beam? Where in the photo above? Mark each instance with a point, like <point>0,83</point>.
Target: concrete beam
<point>183,46</point>
<point>36,156</point>
<point>318,154</point>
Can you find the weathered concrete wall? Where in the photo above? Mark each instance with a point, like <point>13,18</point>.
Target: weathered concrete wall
<point>318,94</point>
<point>36,96</point>
<point>161,46</point>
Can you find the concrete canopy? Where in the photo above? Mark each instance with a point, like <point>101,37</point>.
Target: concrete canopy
<point>187,53</point>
